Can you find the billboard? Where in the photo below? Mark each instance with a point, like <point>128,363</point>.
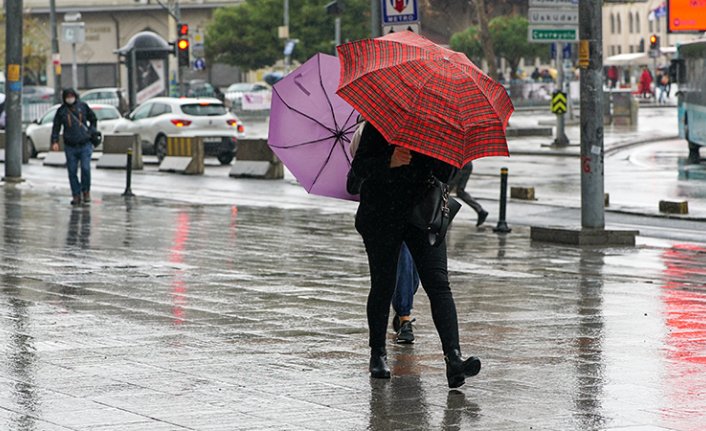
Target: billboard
<point>686,16</point>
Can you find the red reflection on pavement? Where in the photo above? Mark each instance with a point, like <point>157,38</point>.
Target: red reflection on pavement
<point>684,297</point>
<point>181,235</point>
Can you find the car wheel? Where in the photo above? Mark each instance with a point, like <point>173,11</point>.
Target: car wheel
<point>225,158</point>
<point>31,149</point>
<point>160,147</point>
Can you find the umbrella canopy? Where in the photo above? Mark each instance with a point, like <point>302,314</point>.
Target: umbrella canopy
<point>425,97</point>
<point>311,127</point>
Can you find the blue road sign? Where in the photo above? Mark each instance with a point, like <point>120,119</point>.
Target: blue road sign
<point>199,64</point>
<point>566,51</point>
<point>399,11</point>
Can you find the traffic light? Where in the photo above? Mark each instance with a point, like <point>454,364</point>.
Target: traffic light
<point>183,52</point>
<point>182,30</point>
<point>654,42</point>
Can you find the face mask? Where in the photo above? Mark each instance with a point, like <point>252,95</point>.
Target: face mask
<point>70,100</point>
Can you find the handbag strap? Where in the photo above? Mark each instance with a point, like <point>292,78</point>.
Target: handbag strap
<point>77,119</point>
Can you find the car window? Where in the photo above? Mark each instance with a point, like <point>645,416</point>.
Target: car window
<point>159,109</point>
<point>203,109</point>
<point>105,113</point>
<point>142,112</point>
<point>92,96</point>
<point>48,117</point>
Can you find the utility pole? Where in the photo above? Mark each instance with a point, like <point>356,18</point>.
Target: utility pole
<point>55,56</point>
<point>375,18</point>
<point>13,91</point>
<point>591,63</point>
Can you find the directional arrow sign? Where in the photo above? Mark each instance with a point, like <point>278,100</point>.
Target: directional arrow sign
<point>559,102</point>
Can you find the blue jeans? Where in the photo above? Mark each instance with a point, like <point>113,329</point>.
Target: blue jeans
<point>407,283</point>
<point>75,155</point>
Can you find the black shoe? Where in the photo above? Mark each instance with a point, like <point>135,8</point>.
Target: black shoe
<point>396,323</point>
<point>457,369</point>
<point>405,334</point>
<point>378,363</point>
<point>76,200</point>
<point>481,217</point>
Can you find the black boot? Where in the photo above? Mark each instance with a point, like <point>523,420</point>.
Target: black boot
<point>457,369</point>
<point>378,363</point>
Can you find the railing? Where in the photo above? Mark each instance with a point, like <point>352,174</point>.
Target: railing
<point>34,111</point>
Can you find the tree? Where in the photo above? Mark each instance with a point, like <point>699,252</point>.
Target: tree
<point>246,35</point>
<point>486,39</point>
<point>509,35</point>
<point>468,42</point>
<point>35,48</point>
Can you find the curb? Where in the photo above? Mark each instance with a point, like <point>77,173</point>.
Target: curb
<point>618,146</point>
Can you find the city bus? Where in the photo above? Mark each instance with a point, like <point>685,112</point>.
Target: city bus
<point>688,70</point>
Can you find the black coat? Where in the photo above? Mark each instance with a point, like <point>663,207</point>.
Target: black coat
<point>388,195</point>
<point>74,133</point>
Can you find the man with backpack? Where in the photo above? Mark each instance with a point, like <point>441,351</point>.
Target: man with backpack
<point>79,123</point>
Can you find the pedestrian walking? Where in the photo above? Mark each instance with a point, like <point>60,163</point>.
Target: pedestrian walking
<point>645,83</point>
<point>459,181</point>
<point>393,179</point>
<point>403,298</point>
<point>77,121</point>
<point>663,88</point>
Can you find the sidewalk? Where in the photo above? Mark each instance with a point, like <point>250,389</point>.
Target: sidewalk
<point>162,315</point>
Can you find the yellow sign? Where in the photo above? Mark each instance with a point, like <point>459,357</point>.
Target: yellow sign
<point>559,102</point>
<point>13,72</point>
<point>584,54</point>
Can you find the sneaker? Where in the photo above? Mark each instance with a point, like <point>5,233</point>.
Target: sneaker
<point>481,217</point>
<point>86,196</point>
<point>396,322</point>
<point>405,335</point>
<point>76,200</point>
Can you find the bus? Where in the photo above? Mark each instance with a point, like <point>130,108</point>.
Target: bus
<point>688,70</point>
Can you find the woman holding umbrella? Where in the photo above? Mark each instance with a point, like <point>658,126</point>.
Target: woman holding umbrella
<point>429,110</point>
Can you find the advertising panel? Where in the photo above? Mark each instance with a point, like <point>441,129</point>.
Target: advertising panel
<point>686,16</point>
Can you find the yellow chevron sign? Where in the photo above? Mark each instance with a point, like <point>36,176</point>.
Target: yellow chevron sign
<point>559,102</point>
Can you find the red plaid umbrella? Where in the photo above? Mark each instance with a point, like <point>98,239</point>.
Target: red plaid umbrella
<point>424,97</point>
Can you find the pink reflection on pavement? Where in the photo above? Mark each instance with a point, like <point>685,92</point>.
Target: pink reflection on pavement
<point>181,235</point>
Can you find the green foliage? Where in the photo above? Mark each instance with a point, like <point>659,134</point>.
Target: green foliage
<point>246,35</point>
<point>509,35</point>
<point>468,42</point>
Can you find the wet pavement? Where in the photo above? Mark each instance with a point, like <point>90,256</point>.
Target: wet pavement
<point>158,314</point>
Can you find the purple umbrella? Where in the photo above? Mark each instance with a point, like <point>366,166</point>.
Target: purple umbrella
<point>311,127</point>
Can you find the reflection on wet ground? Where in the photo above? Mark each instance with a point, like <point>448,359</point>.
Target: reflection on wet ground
<point>161,316</point>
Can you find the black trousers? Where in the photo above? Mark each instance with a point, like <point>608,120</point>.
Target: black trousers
<point>460,180</point>
<point>383,250</point>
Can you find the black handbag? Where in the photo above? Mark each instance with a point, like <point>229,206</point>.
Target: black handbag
<point>435,211</point>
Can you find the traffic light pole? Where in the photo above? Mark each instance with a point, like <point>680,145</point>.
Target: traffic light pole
<point>13,91</point>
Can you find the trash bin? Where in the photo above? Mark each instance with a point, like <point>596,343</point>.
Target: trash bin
<point>624,108</point>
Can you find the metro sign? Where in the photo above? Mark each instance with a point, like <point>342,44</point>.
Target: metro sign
<point>399,11</point>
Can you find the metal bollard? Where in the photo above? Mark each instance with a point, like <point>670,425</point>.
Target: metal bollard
<point>502,224</point>
<point>128,176</point>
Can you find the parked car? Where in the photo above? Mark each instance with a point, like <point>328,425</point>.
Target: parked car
<point>160,117</point>
<point>234,93</point>
<point>37,94</point>
<point>39,132</point>
<point>200,88</point>
<point>109,96</point>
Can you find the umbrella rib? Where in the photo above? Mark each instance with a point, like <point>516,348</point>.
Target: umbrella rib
<point>316,141</point>
<point>323,165</point>
<point>330,105</point>
<point>303,114</point>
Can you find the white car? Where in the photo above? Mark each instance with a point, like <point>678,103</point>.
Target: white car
<point>160,117</point>
<point>39,132</point>
<point>234,93</point>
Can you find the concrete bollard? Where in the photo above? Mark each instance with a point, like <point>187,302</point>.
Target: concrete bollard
<point>25,148</point>
<point>524,193</point>
<point>115,149</point>
<point>502,224</point>
<point>670,207</point>
<point>255,159</point>
<point>185,155</point>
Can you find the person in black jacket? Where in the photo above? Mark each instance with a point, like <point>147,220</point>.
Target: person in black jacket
<point>394,178</point>
<point>77,121</point>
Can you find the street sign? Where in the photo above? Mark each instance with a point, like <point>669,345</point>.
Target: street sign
<point>413,26</point>
<point>584,54</point>
<point>559,103</point>
<point>554,16</point>
<point>399,11</point>
<point>566,52</point>
<point>73,32</point>
<point>548,34</point>
<point>200,64</point>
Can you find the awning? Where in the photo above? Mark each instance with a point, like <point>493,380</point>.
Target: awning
<point>631,59</point>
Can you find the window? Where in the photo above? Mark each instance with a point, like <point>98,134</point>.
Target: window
<point>637,23</point>
<point>632,49</point>
<point>649,24</point>
<point>106,113</point>
<point>659,25</point>
<point>612,23</point>
<point>631,24</point>
<point>203,109</point>
<point>618,24</point>
<point>48,117</point>
<point>142,112</point>
<point>159,109</point>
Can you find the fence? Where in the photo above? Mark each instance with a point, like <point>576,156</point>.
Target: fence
<point>34,111</point>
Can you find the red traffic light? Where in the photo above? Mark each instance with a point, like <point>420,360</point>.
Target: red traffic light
<point>183,44</point>
<point>182,30</point>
